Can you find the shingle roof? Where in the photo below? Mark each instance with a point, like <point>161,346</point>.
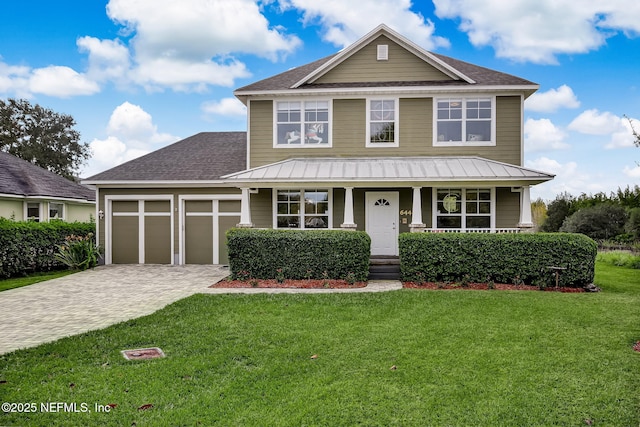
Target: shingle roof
<point>390,170</point>
<point>21,178</point>
<point>287,79</point>
<point>201,157</point>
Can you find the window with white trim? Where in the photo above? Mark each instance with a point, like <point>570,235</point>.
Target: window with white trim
<point>302,123</point>
<point>56,210</point>
<point>469,208</point>
<point>382,123</point>
<point>303,209</point>
<point>464,121</point>
<point>33,211</point>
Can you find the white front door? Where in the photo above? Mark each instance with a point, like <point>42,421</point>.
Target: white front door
<point>382,221</point>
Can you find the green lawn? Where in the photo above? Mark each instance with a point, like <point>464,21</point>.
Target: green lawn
<point>18,282</point>
<point>480,358</point>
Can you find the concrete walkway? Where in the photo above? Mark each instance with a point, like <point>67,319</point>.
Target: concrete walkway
<point>95,299</point>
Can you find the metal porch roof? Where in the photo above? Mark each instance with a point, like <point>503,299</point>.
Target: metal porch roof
<point>390,170</point>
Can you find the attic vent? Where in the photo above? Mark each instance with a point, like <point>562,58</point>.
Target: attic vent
<point>383,52</point>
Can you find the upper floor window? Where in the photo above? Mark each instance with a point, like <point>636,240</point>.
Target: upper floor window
<point>302,123</point>
<point>464,121</point>
<point>382,118</point>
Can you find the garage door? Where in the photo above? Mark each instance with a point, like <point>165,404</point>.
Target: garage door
<point>205,225</point>
<point>140,232</point>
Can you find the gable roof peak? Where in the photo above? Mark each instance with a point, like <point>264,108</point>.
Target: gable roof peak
<point>396,37</point>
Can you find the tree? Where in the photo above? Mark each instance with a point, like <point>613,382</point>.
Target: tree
<point>635,133</point>
<point>629,197</point>
<point>633,224</point>
<point>603,221</point>
<point>557,211</point>
<point>42,136</point>
<point>538,212</point>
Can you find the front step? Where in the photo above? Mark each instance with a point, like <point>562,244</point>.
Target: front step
<point>384,268</point>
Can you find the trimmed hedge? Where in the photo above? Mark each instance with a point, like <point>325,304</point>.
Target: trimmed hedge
<point>27,247</point>
<point>298,254</point>
<point>502,258</point>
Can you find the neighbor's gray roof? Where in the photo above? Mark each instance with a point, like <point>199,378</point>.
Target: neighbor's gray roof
<point>21,178</point>
<point>389,170</point>
<point>202,157</point>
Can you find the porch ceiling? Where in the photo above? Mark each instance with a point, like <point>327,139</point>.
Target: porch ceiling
<point>389,171</point>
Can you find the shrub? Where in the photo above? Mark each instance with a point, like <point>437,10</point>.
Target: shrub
<point>502,258</point>
<point>633,224</point>
<point>598,222</point>
<point>27,247</point>
<point>79,252</point>
<point>299,254</point>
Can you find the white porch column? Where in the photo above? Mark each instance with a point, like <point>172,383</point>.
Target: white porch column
<point>245,210</point>
<point>525,208</point>
<point>348,209</point>
<point>417,224</point>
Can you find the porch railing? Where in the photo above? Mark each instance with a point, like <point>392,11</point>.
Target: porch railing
<point>472,230</point>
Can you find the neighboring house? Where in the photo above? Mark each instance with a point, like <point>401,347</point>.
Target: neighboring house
<point>29,192</point>
<point>383,137</point>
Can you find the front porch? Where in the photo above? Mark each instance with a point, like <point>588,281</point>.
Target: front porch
<point>388,196</point>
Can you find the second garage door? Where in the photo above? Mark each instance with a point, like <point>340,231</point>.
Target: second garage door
<point>205,223</point>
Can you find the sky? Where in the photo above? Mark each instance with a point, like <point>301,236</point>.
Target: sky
<point>137,75</point>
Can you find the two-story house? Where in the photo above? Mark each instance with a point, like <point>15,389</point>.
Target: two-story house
<point>383,136</point>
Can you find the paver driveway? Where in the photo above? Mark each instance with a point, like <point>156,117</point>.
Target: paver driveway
<point>97,298</point>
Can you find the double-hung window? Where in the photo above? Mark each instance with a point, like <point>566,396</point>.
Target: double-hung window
<point>464,121</point>
<point>382,120</point>
<point>56,210</point>
<point>33,211</point>
<point>302,123</point>
<point>464,208</point>
<point>302,209</point>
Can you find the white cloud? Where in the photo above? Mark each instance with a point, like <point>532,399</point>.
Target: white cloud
<point>552,100</point>
<point>108,59</point>
<point>131,134</point>
<point>568,178</point>
<point>594,122</point>
<point>108,153</point>
<point>187,76</point>
<point>188,46</point>
<point>14,79</point>
<point>185,46</point>
<point>344,22</point>
<point>199,29</point>
<point>225,107</point>
<point>538,31</point>
<point>135,126</point>
<point>542,134</point>
<point>62,82</point>
<point>633,172</point>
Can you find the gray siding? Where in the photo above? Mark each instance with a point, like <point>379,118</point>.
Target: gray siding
<point>363,66</point>
<point>261,208</point>
<point>507,208</point>
<point>415,133</point>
